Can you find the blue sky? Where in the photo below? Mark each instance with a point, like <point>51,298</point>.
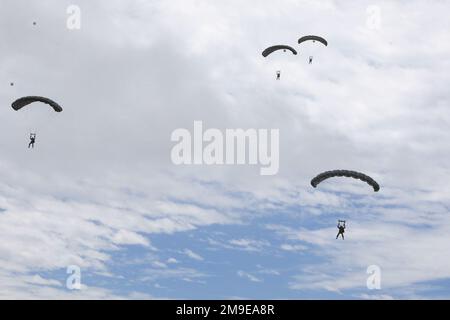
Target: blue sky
<point>100,191</point>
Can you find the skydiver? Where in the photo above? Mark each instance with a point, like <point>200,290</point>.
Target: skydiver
<point>310,59</point>
<point>341,228</point>
<point>32,140</point>
<point>278,75</point>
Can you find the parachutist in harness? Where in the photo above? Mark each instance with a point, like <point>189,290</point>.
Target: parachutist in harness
<point>32,140</point>
<point>341,227</point>
<point>272,49</point>
<point>310,59</point>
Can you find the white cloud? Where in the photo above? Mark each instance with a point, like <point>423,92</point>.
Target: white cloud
<point>191,254</point>
<point>100,177</point>
<point>376,297</point>
<point>295,247</point>
<point>126,237</point>
<point>159,264</point>
<point>249,244</point>
<point>172,260</point>
<point>248,276</point>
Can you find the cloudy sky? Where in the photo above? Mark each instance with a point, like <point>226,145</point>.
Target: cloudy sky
<point>101,192</point>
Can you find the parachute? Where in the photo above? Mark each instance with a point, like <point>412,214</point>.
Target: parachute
<point>269,50</point>
<point>313,38</point>
<point>24,101</point>
<point>345,173</point>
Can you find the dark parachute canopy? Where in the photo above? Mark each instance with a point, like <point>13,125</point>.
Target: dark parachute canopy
<point>24,101</point>
<point>269,50</point>
<point>345,173</point>
<point>313,38</point>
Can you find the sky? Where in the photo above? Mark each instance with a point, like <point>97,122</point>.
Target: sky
<point>100,190</point>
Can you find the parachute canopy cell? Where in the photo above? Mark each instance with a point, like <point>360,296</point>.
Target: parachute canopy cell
<point>313,38</point>
<point>269,50</point>
<point>345,173</point>
<point>24,101</point>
